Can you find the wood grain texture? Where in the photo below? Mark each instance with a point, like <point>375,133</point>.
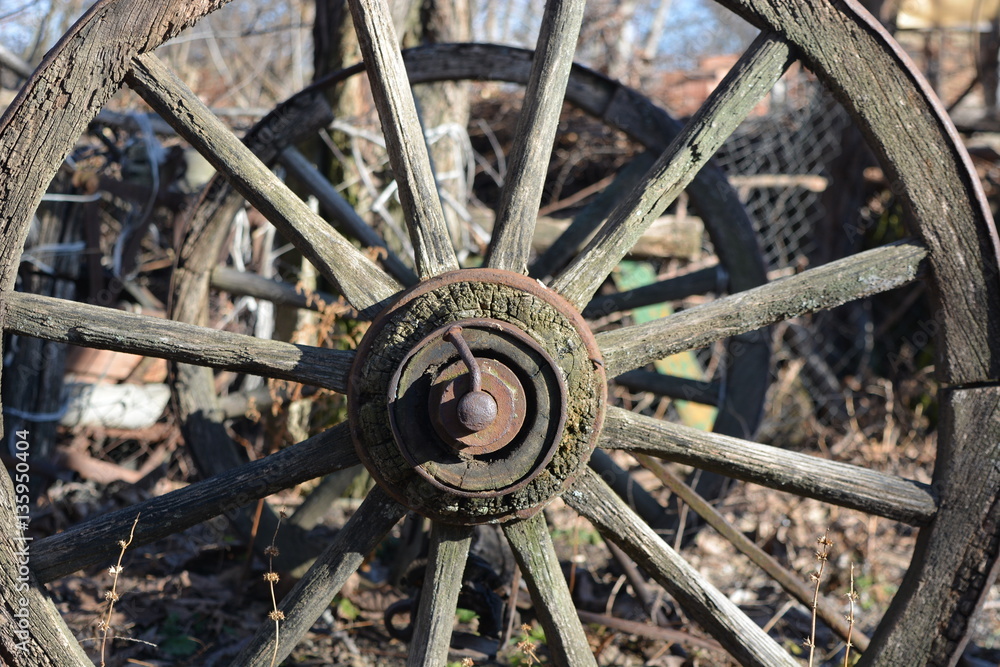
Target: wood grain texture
<point>748,82</point>
<point>712,197</point>
<point>314,592</point>
<point>439,595</point>
<point>404,138</point>
<point>535,555</point>
<point>337,207</point>
<point>536,130</point>
<point>205,234</point>
<point>746,642</point>
<point>958,555</point>
<point>361,282</point>
<point>110,329</point>
<point>669,236</point>
<point>718,204</point>
<point>833,284</point>
<point>925,164</point>
<point>43,640</point>
<point>445,104</point>
<point>505,297</point>
<point>810,476</point>
<point>37,131</point>
<point>95,541</point>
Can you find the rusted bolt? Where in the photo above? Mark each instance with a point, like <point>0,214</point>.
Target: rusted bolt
<point>477,409</point>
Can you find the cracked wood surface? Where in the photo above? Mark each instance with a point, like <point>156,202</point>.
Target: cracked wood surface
<point>804,475</point>
<point>830,285</point>
<point>110,329</point>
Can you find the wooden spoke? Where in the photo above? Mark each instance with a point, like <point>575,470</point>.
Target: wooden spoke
<point>361,282</point>
<point>791,582</point>
<point>750,645</point>
<point>535,555</point>
<point>639,499</point>
<point>109,329</point>
<point>718,204</point>
<point>833,284</point>
<point>342,212</point>
<point>680,287</point>
<point>246,283</point>
<point>742,89</point>
<point>404,138</point>
<point>439,595</point>
<point>96,541</point>
<point>586,222</point>
<point>810,476</point>
<point>536,130</point>
<point>314,592</point>
<point>671,386</point>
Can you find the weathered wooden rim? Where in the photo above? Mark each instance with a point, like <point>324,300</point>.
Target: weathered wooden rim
<point>973,380</point>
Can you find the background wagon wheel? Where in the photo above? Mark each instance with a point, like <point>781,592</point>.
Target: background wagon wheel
<point>512,322</point>
<point>299,118</point>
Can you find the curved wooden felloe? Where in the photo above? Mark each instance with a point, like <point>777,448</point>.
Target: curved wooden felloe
<point>920,150</point>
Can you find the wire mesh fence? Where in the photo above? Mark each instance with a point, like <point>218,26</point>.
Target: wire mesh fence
<point>781,163</point>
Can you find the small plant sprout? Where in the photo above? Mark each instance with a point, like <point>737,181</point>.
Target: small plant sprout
<point>272,577</point>
<point>112,595</point>
<point>822,555</point>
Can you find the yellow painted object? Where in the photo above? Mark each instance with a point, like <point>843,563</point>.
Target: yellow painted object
<point>631,275</point>
<point>967,14</point>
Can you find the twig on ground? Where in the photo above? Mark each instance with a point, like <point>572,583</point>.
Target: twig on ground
<point>852,597</point>
<point>653,632</point>
<point>822,555</point>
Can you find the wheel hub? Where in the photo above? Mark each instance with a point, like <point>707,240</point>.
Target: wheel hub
<point>478,404</point>
<point>477,396</point>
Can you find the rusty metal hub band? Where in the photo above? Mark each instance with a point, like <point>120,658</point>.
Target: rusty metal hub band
<point>517,376</point>
<point>477,396</point>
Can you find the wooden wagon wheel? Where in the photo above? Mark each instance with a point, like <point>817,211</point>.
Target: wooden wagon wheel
<point>740,266</point>
<point>512,327</point>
